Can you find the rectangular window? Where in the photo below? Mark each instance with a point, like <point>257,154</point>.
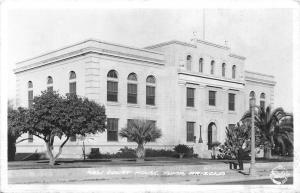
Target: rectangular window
<point>30,138</point>
<point>190,97</point>
<point>150,95</point>
<point>132,93</point>
<point>73,138</point>
<point>50,88</point>
<point>190,131</point>
<point>128,122</point>
<point>212,98</point>
<point>154,123</point>
<point>112,129</point>
<point>231,101</point>
<point>72,88</point>
<point>112,91</point>
<point>30,98</point>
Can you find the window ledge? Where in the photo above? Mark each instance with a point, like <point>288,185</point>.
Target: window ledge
<point>109,103</point>
<point>232,112</point>
<point>133,105</point>
<point>191,108</point>
<point>151,106</point>
<point>211,109</point>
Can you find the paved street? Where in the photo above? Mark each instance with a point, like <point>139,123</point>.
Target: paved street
<point>182,172</point>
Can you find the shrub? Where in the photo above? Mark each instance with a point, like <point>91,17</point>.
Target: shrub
<point>159,153</point>
<point>181,148</point>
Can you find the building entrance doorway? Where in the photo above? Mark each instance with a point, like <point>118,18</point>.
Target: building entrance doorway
<point>211,134</point>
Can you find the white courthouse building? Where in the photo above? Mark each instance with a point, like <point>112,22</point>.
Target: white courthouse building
<point>192,91</point>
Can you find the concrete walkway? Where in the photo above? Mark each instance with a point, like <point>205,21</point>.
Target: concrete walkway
<point>176,173</point>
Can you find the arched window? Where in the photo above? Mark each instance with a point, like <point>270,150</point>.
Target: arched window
<point>262,100</point>
<point>201,65</point>
<point>212,67</point>
<point>150,90</point>
<point>50,83</point>
<point>233,71</point>
<point>72,82</point>
<point>112,86</point>
<point>30,94</point>
<point>251,95</point>
<point>189,62</point>
<point>30,85</point>
<point>132,88</point>
<point>223,69</point>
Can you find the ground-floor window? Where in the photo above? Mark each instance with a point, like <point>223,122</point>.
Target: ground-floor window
<point>190,131</point>
<point>112,129</point>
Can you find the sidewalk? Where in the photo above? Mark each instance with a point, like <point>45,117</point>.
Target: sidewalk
<point>156,174</point>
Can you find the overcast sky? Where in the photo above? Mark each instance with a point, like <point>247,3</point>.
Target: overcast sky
<point>263,36</point>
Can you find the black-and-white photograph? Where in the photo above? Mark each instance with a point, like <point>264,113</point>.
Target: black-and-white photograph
<point>147,96</point>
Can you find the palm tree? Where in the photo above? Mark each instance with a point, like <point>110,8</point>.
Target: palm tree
<point>271,125</point>
<point>141,132</point>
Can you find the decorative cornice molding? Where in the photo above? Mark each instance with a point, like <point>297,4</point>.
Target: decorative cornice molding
<point>89,50</point>
<point>237,56</point>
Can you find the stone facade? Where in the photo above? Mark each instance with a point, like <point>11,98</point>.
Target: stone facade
<point>91,60</point>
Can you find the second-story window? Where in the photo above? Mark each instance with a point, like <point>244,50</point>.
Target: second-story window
<point>189,62</point>
<point>223,69</point>
<point>212,67</point>
<point>132,88</point>
<point>233,71</point>
<point>231,101</point>
<point>72,83</point>
<point>49,83</point>
<point>201,65</point>
<point>150,90</point>
<point>30,94</point>
<point>190,97</point>
<point>112,86</point>
<point>212,98</point>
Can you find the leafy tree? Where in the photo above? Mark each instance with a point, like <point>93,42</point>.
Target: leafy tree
<point>237,142</point>
<point>15,124</point>
<point>141,132</point>
<point>53,116</point>
<point>272,127</point>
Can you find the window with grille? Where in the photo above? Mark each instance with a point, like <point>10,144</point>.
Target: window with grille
<point>112,91</point>
<point>129,121</point>
<point>150,90</point>
<point>72,87</point>
<point>150,95</point>
<point>231,101</point>
<point>112,86</point>
<point>190,131</point>
<point>190,97</point>
<point>132,93</point>
<point>212,98</point>
<point>112,129</point>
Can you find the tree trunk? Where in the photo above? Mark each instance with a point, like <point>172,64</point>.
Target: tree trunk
<point>50,154</point>
<point>140,153</point>
<point>267,153</point>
